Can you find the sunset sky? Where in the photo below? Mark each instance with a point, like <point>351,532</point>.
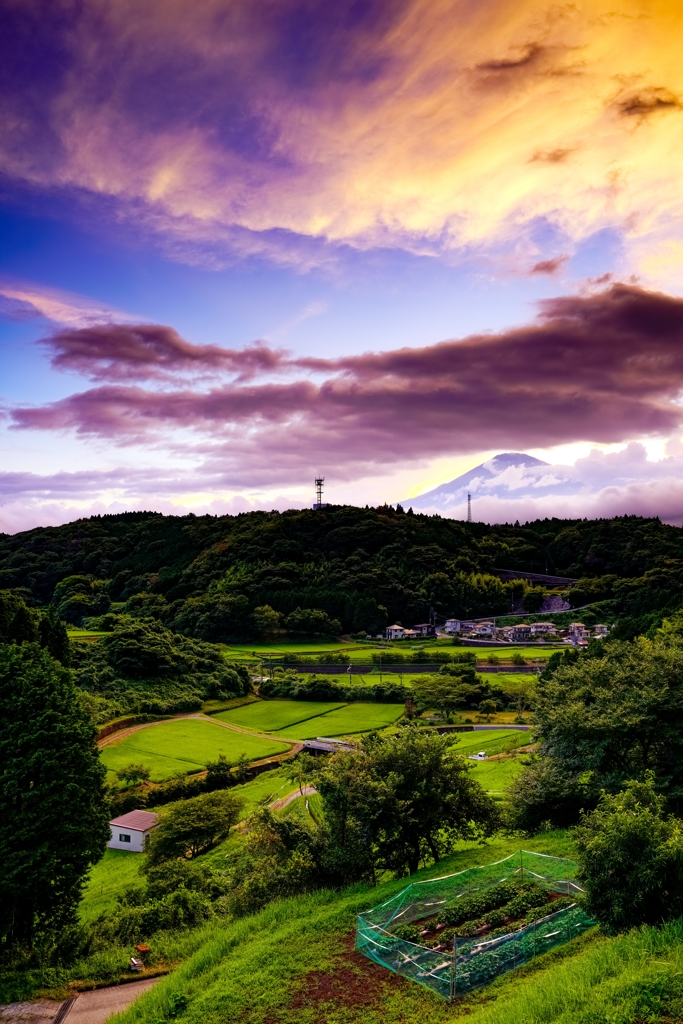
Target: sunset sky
<point>247,242</point>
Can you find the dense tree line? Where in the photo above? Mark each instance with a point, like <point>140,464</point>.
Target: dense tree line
<point>142,667</point>
<point>604,717</point>
<point>205,576</point>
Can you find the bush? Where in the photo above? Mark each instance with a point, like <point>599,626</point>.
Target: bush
<point>631,857</point>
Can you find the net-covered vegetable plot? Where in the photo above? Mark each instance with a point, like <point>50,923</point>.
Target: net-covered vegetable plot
<point>458,933</point>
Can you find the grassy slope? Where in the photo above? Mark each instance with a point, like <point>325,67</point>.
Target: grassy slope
<point>496,776</point>
<point>184,745</point>
<point>294,964</point>
<point>353,718</point>
<point>268,716</point>
<point>118,870</point>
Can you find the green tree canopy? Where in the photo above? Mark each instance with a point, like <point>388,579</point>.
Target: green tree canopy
<point>631,857</point>
<point>191,827</point>
<point>52,801</point>
<point>312,622</point>
<point>604,717</point>
<point>398,799</point>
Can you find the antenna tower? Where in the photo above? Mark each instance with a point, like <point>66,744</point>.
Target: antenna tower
<point>319,481</point>
<point>469,507</point>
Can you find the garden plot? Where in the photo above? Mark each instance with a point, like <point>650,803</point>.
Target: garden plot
<point>272,715</point>
<point>185,745</point>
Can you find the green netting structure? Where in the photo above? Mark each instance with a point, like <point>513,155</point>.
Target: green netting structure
<point>474,960</point>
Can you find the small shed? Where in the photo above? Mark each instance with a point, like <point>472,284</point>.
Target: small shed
<point>130,831</point>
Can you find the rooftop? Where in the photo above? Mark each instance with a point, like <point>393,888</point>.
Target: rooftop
<point>138,821</point>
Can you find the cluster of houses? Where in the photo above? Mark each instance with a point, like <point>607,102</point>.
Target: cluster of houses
<point>523,632</point>
<point>418,632</point>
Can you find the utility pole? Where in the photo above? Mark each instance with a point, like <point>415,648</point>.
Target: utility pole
<point>469,507</point>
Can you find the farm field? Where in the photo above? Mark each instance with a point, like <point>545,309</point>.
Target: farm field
<point>496,776</point>
<point>494,741</point>
<point>185,745</point>
<point>288,647</point>
<point>353,718</point>
<point>301,951</point>
<point>271,715</point>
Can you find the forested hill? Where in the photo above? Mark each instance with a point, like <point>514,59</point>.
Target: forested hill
<point>204,575</point>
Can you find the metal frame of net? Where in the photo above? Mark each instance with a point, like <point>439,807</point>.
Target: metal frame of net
<point>475,960</point>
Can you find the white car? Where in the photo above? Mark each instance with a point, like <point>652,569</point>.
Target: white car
<point>481,756</point>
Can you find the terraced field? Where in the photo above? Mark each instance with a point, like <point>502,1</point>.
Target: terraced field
<point>353,718</point>
<point>272,715</point>
<point>185,745</point>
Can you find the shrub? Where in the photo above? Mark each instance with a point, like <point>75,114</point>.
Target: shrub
<point>631,857</point>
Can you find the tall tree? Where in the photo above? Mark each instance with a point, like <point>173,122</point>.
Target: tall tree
<point>52,804</point>
<point>396,800</point>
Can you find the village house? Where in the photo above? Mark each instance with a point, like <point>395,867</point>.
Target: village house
<point>130,831</point>
<point>425,629</point>
<point>394,632</point>
<point>601,630</point>
<point>520,631</point>
<point>578,633</point>
<point>483,629</point>
<point>542,629</point>
<point>452,626</point>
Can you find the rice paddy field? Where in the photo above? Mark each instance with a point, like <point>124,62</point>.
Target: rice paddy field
<point>272,715</point>
<point>496,776</point>
<point>493,741</point>
<point>185,745</point>
<point>345,721</point>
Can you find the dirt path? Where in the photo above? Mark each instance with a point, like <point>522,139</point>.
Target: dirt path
<point>284,801</point>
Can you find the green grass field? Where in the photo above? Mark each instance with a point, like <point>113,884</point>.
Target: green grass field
<point>185,745</point>
<point>271,715</point>
<point>493,741</point>
<point>496,776</point>
<point>118,870</point>
<point>353,718</point>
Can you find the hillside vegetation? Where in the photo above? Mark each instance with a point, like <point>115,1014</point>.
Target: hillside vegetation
<point>206,576</point>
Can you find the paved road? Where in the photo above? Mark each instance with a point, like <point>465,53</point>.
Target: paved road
<point>284,801</point>
<point>41,1012</point>
<point>94,1007</point>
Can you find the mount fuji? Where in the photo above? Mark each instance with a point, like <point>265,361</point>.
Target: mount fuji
<point>510,475</point>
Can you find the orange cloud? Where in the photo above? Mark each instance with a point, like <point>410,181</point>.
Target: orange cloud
<point>435,125</point>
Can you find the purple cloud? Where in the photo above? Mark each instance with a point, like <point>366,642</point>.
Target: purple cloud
<point>599,368</point>
<point>126,352</point>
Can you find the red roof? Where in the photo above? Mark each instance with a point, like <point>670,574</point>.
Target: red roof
<point>137,821</point>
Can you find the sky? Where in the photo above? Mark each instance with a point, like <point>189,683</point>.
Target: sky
<point>245,243</point>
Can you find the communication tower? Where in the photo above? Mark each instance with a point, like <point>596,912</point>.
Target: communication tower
<point>469,507</point>
<point>319,481</point>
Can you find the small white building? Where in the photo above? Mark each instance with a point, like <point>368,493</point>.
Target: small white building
<point>483,629</point>
<point>600,630</point>
<point>394,632</point>
<point>452,626</point>
<point>130,831</point>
